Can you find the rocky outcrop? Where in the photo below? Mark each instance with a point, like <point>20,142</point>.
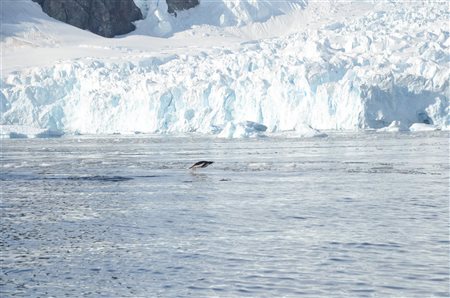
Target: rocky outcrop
<point>174,5</point>
<point>103,17</point>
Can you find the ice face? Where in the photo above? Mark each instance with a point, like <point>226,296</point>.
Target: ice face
<point>366,72</point>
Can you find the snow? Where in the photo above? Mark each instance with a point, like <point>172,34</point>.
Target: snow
<point>339,66</point>
<point>221,13</point>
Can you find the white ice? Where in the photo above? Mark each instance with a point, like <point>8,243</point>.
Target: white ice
<point>340,66</point>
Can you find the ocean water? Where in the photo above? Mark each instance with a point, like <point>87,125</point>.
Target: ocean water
<point>351,215</point>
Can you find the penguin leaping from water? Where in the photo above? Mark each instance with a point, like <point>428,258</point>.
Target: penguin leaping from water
<point>201,164</point>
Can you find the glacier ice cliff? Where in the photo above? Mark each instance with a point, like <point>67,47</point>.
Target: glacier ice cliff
<point>366,73</point>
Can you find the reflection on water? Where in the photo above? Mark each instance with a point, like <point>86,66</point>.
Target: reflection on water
<point>351,215</point>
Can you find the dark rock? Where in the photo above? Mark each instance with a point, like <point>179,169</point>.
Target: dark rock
<point>104,17</point>
<point>174,5</point>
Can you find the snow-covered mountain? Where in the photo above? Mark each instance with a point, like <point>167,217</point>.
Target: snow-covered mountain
<point>223,66</point>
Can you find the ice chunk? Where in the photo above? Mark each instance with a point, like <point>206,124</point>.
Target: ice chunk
<point>303,130</point>
<point>423,127</point>
<point>395,126</point>
<point>254,126</point>
<point>244,129</point>
<point>49,133</point>
<point>17,135</point>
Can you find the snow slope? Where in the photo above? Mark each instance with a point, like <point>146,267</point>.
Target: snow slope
<point>222,13</point>
<point>340,65</point>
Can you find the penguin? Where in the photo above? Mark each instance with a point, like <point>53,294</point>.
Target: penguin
<point>201,164</point>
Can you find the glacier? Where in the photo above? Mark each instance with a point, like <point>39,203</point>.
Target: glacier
<point>386,68</point>
<point>220,13</point>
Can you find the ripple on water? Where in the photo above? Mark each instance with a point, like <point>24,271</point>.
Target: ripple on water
<point>285,223</point>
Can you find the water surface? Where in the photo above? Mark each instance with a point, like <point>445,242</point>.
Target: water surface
<point>349,215</point>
